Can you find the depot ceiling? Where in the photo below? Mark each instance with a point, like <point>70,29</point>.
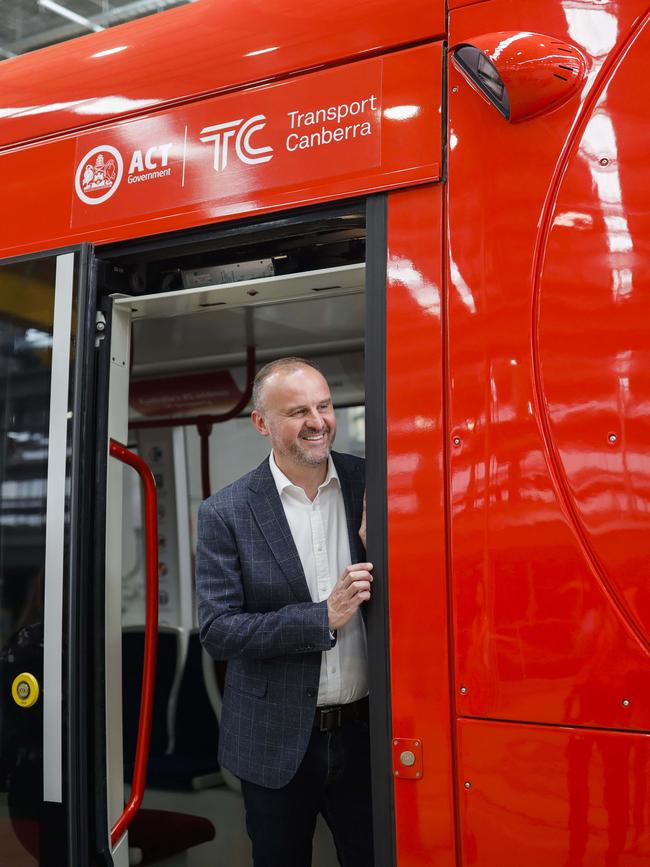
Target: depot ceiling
<point>26,25</point>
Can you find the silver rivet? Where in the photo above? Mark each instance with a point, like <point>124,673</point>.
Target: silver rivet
<point>612,438</point>
<point>626,702</point>
<point>456,441</point>
<point>463,690</point>
<point>418,774</point>
<point>467,784</point>
<point>397,773</point>
<point>395,743</point>
<point>454,89</point>
<point>407,758</point>
<point>417,743</point>
<point>604,161</point>
<point>100,326</point>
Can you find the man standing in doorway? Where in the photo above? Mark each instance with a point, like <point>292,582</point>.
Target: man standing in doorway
<point>281,581</point>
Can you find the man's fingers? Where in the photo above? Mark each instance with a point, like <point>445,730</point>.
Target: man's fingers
<point>361,575</point>
<point>355,572</point>
<point>352,589</point>
<point>347,600</point>
<point>355,567</point>
<point>358,587</point>
<point>352,579</point>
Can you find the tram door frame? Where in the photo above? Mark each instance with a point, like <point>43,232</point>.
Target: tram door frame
<point>375,210</point>
<point>65,691</point>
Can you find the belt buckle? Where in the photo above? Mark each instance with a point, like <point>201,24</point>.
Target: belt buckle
<point>325,716</point>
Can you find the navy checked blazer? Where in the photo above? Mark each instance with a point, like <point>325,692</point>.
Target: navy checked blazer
<point>255,610</point>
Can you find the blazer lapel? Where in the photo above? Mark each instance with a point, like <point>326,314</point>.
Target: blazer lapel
<point>352,487</point>
<point>268,513</point>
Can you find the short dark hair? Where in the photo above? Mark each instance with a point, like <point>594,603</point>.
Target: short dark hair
<point>292,362</point>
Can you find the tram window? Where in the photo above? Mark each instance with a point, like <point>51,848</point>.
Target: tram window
<point>26,323</point>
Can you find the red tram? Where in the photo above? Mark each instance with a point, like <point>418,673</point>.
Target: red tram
<point>447,205</point>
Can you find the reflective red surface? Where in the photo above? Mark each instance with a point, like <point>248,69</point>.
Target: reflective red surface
<point>550,383</point>
<point>205,47</point>
<point>600,434</point>
<point>419,649</point>
<point>169,171</point>
<point>553,797</point>
<point>550,526</point>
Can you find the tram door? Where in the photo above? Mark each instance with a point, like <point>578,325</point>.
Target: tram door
<point>181,333</point>
<point>42,304</point>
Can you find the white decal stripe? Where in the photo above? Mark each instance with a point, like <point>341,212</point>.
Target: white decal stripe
<point>184,156</point>
<point>55,531</point>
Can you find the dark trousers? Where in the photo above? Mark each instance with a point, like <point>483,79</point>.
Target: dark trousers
<point>332,779</point>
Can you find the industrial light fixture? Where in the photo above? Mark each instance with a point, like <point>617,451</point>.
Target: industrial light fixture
<point>69,14</point>
<point>521,74</point>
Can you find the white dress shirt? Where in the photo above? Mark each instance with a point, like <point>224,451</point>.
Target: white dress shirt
<point>320,531</point>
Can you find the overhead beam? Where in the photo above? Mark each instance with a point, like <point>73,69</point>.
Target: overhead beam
<point>64,12</point>
<point>110,18</point>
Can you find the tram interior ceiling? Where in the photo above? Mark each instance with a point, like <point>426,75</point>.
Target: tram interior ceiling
<point>190,324</point>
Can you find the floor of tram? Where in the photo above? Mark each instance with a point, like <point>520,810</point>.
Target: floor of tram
<point>231,846</point>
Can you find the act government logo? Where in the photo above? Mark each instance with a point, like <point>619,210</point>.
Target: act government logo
<point>99,174</point>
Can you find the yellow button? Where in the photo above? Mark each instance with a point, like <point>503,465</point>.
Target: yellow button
<point>25,690</point>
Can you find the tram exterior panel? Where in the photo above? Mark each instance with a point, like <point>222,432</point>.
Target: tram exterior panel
<point>507,362</point>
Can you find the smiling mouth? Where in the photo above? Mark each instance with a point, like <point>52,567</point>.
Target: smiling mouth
<point>315,438</point>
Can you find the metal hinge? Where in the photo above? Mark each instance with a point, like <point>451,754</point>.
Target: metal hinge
<point>100,327</point>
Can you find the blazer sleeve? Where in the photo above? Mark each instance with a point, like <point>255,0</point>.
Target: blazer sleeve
<point>226,629</point>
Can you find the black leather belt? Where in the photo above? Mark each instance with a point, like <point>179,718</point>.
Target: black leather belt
<point>328,719</point>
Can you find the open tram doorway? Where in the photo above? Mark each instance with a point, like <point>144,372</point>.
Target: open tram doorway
<point>187,323</point>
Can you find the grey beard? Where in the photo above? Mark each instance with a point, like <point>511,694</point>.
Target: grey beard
<point>308,460</point>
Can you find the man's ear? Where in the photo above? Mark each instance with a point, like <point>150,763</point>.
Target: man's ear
<point>259,423</point>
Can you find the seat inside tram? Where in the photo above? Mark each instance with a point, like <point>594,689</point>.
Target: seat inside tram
<point>200,325</point>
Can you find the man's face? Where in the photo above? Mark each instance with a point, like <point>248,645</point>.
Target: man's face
<point>298,416</point>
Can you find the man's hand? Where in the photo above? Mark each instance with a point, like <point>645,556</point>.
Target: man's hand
<point>362,528</point>
<point>352,588</point>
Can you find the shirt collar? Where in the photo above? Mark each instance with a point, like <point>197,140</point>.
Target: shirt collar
<point>282,482</point>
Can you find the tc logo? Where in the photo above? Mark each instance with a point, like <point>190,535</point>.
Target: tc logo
<point>98,174</point>
<point>242,131</point>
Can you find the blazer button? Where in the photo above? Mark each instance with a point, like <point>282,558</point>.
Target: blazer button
<point>309,647</point>
<point>311,692</point>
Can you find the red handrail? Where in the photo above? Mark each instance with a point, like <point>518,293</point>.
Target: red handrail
<point>121,453</point>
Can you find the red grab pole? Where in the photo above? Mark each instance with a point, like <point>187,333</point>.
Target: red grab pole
<point>121,453</point>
